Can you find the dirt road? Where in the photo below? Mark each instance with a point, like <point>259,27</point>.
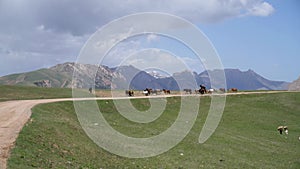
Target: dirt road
<point>14,114</point>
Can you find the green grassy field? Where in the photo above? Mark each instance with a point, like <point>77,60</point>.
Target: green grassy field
<point>18,92</point>
<point>15,92</point>
<point>245,138</point>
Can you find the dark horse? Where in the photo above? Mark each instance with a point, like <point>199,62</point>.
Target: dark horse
<point>147,91</point>
<point>129,92</point>
<point>202,89</point>
<point>167,91</point>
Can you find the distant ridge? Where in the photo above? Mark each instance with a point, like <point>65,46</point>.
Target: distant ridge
<point>246,80</point>
<point>295,85</point>
<point>61,76</point>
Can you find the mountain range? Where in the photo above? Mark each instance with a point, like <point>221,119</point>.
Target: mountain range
<point>125,77</point>
<point>295,85</point>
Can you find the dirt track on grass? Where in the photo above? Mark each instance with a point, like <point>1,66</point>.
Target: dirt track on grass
<point>14,115</point>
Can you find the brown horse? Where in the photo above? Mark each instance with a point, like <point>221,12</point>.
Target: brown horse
<point>234,89</point>
<point>167,91</point>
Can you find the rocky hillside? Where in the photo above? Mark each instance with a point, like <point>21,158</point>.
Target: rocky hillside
<point>295,85</point>
<point>61,76</point>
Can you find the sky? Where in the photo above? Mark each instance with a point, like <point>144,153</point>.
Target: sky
<point>262,35</point>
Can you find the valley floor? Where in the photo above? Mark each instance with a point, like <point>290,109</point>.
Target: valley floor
<point>15,114</point>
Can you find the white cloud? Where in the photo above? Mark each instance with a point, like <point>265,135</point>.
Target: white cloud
<point>204,11</point>
<point>84,17</point>
<point>152,37</point>
<point>261,9</point>
<point>40,28</point>
<point>194,64</point>
<point>117,55</point>
<point>56,30</point>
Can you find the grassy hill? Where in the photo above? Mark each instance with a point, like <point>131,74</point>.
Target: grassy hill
<point>27,79</point>
<point>61,75</point>
<point>245,138</point>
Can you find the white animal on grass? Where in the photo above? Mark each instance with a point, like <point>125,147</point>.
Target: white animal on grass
<point>211,90</point>
<point>283,128</point>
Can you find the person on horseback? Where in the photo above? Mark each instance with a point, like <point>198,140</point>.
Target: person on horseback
<point>202,89</point>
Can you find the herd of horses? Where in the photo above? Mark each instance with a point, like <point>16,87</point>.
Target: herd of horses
<point>148,92</point>
<point>202,90</point>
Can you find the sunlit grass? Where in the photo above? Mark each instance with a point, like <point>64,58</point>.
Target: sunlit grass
<point>245,138</point>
